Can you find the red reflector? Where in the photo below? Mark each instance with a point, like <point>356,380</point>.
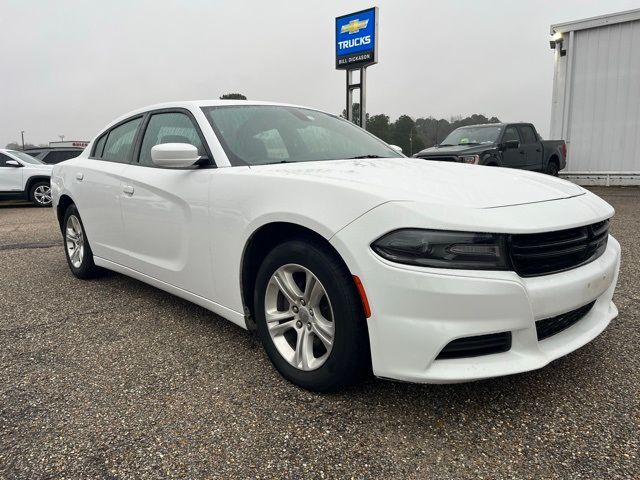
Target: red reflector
<point>363,297</point>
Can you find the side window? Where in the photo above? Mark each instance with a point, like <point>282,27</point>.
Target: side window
<point>511,133</point>
<point>60,156</point>
<point>3,159</point>
<point>120,142</point>
<point>171,127</point>
<point>99,148</point>
<point>528,135</point>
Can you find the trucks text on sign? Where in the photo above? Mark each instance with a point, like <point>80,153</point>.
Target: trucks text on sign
<point>356,39</point>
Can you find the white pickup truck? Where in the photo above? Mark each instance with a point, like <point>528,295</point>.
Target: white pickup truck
<point>24,177</point>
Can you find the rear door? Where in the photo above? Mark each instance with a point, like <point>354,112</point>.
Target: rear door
<point>97,189</point>
<point>513,157</point>
<point>531,147</point>
<point>11,178</point>
<point>165,210</point>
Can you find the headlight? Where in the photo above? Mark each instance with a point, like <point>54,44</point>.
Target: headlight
<point>443,249</point>
<point>474,159</point>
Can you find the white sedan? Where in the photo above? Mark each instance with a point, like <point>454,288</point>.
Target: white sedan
<point>345,255</point>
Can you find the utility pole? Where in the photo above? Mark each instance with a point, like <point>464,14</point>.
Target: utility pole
<point>61,138</point>
<point>410,144</point>
<point>22,134</point>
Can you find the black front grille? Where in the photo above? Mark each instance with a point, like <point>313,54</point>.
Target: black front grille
<point>476,346</point>
<point>441,158</point>
<point>551,252</point>
<point>550,326</point>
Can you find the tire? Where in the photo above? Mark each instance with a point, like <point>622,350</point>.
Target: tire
<point>329,318</point>
<point>40,194</point>
<point>76,246</point>
<point>552,169</point>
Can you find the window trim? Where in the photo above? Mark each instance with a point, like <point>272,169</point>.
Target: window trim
<point>108,132</point>
<point>143,130</point>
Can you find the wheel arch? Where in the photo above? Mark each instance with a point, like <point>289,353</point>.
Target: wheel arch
<point>61,208</point>
<point>259,244</point>
<point>34,179</point>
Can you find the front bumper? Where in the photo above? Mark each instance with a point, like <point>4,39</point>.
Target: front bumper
<point>417,311</point>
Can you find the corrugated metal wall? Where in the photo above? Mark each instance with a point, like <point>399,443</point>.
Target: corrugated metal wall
<point>599,112</point>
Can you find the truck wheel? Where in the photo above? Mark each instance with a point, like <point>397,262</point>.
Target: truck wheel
<point>40,194</point>
<point>552,169</point>
<point>310,318</point>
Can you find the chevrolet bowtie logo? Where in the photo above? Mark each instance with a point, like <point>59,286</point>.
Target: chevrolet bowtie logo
<point>354,26</point>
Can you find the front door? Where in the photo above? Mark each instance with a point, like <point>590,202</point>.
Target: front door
<point>166,210</point>
<point>10,176</point>
<point>513,157</point>
<point>532,147</point>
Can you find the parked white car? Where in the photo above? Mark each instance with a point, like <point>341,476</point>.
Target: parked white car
<point>24,177</point>
<point>345,255</point>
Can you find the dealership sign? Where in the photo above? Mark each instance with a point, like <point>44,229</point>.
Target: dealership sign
<point>357,39</point>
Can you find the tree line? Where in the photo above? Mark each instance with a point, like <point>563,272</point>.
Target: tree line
<point>414,135</point>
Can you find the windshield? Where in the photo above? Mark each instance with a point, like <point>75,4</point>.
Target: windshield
<point>472,136</point>
<point>263,134</point>
<point>25,157</point>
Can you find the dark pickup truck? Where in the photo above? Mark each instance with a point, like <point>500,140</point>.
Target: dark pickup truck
<point>514,145</point>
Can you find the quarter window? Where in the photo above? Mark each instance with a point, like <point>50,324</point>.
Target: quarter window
<point>170,127</point>
<point>118,146</point>
<point>97,151</point>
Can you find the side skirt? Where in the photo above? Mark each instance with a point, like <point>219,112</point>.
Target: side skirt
<point>231,315</point>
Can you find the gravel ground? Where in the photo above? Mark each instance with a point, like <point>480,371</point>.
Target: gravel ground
<point>115,379</point>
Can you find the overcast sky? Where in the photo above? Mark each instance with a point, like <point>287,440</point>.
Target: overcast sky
<point>71,67</point>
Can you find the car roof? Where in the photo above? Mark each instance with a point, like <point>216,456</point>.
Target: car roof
<point>195,104</point>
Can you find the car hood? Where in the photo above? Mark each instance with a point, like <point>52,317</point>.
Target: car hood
<point>42,167</point>
<point>412,179</point>
<point>455,149</point>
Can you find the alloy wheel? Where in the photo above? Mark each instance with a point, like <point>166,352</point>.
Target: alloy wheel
<point>299,317</point>
<point>75,241</point>
<point>42,194</point>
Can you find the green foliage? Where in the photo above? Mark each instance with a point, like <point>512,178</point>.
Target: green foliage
<point>233,96</point>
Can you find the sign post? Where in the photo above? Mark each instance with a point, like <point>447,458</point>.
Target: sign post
<point>356,49</point>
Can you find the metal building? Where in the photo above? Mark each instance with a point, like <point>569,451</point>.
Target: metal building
<point>596,97</point>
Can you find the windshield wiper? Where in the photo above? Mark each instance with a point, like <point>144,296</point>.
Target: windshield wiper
<point>371,155</point>
<point>469,143</point>
<point>446,145</point>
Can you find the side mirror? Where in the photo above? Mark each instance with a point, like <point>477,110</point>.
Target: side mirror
<point>12,163</point>
<point>174,155</point>
<point>396,148</point>
<point>511,144</point>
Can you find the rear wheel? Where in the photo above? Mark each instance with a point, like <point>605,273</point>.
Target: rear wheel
<point>77,248</point>
<point>310,318</point>
<point>40,194</point>
<point>552,168</point>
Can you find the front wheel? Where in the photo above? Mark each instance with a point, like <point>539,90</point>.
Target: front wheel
<point>310,317</point>
<point>40,194</point>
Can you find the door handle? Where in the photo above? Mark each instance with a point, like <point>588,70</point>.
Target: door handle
<point>522,152</point>
<point>537,149</point>
<point>128,189</point>
<point>79,176</point>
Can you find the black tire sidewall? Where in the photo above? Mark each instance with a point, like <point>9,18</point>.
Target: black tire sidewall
<point>32,194</point>
<point>552,169</point>
<point>348,358</point>
<point>87,268</point>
